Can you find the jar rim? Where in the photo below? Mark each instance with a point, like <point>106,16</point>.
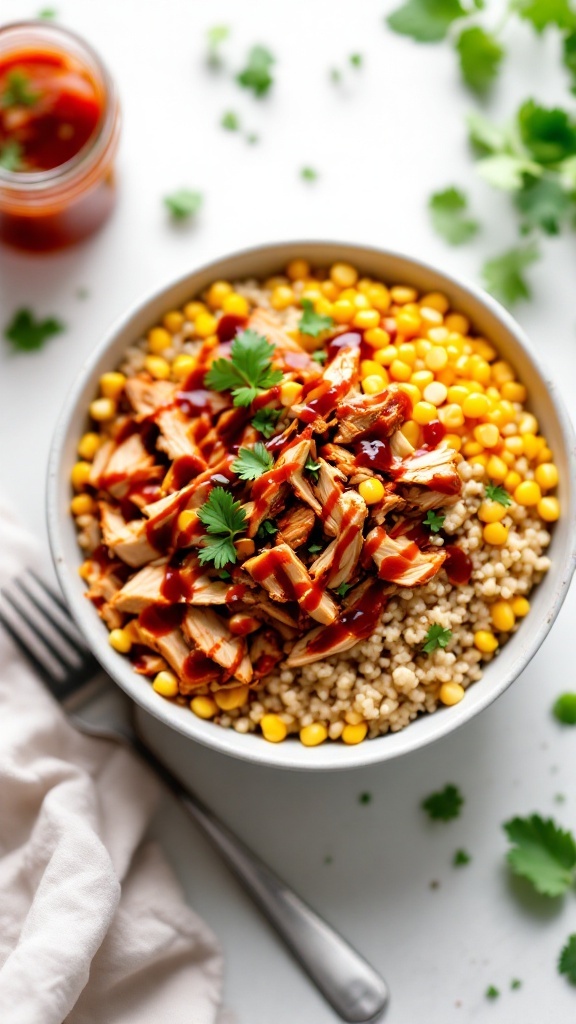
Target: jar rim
<point>40,182</point>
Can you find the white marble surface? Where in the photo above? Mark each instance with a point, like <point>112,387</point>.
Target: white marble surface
<point>382,142</point>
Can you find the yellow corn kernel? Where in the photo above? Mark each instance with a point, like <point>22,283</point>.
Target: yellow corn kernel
<point>377,337</point>
<point>503,617</point>
<point>495,534</point>
<point>173,321</point>
<point>479,369</point>
<point>436,300</point>
<point>528,424</point>
<point>485,641</point>
<point>205,324</point>
<point>479,460</point>
<point>273,728</point>
<point>360,302</point>
<point>422,346</point>
<point>451,693</point>
<point>487,434</point>
<point>343,275</point>
<point>458,394</point>
<point>491,511</point>
<point>85,570</point>
<point>436,358</point>
<point>298,270</point>
<point>350,294</point>
<point>283,296</point>
<point>363,285</point>
<point>88,445</point>
<point>343,311</point>
<point>430,317</point>
<point>508,458</point>
<point>424,412</point>
<point>80,475</point>
<point>83,505</point>
<point>472,448</point>
<point>166,684</point>
<point>112,384</point>
<point>496,468</point>
<point>436,393</point>
<point>323,306</point>
<point>422,378</point>
<point>457,323</point>
<point>329,290</point>
<point>185,518</point>
<point>408,324</point>
<point>513,391</point>
<point>544,455</point>
<point>203,707</point>
<point>411,432</point>
<point>372,490</point>
<point>352,734</point>
<point>453,441</point>
<point>475,406</point>
<point>379,297</point>
<point>235,305</point>
<point>217,292</point>
<point>183,365</point>
<point>407,352</point>
<point>157,367</point>
<point>193,309</point>
<point>511,481</point>
<point>451,416</point>
<point>290,393</point>
<point>102,409</point>
<point>532,445</point>
<point>120,640</point>
<point>312,735</point>
<point>546,475</point>
<point>502,372</point>
<point>159,339</point>
<point>386,356</point>
<point>520,607</point>
<point>399,370</point>
<point>369,366</point>
<point>276,282</point>
<point>438,335</point>
<point>232,698</point>
<point>514,444</point>
<point>366,319</point>
<point>528,493</point>
<point>401,294</point>
<point>548,509</point>
<point>414,393</point>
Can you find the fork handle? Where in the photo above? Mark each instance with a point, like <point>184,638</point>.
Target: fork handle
<point>347,981</point>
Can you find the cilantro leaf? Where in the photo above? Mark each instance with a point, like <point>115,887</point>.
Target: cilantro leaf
<point>496,493</point>
<point>515,984</point>
<point>252,462</point>
<point>460,858</point>
<point>544,204</point>
<point>492,992</point>
<point>256,75</point>
<point>503,275</point>
<point>434,520</point>
<point>569,56</point>
<point>308,174</point>
<point>314,548</point>
<point>247,372</point>
<point>548,133</point>
<point>28,334</point>
<point>437,636</point>
<point>426,21</point>
<point>365,798</point>
<point>485,136</point>
<point>542,853</point>
<point>265,420</point>
<point>445,804</point>
<point>47,13</point>
<point>320,355</point>
<point>183,203</point>
<point>335,75</point>
<point>356,60</point>
<point>223,518</point>
<point>480,58</point>
<point>567,959</point>
<point>542,13</point>
<point>11,156</point>
<point>502,170</point>
<point>564,708</point>
<point>447,210</point>
<point>230,121</point>
<point>313,323</point>
<point>313,468</point>
<point>18,92</point>
<point>216,36</point>
<point>266,530</point>
<point>343,589</point>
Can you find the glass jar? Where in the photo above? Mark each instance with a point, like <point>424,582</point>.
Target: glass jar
<point>50,208</point>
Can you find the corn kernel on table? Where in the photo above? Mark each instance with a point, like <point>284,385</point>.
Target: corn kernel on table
<point>382,139</point>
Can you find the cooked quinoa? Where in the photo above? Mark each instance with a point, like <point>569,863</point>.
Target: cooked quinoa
<point>478,525</point>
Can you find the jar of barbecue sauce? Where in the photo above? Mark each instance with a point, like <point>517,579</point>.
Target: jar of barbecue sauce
<point>59,127</point>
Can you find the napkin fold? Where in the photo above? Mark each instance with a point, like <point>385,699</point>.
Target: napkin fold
<point>93,925</point>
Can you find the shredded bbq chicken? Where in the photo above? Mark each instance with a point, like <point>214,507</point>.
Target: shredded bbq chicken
<point>323,533</point>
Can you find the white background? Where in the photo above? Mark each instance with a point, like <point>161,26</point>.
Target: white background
<point>386,138</point>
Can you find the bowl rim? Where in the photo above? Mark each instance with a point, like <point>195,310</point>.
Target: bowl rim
<point>327,757</point>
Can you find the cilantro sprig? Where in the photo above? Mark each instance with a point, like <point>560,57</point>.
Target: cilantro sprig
<point>183,203</point>
<point>28,334</point>
<point>448,215</point>
<point>435,520</point>
<point>445,804</point>
<point>312,323</point>
<point>257,74</point>
<point>248,372</point>
<point>215,37</point>
<point>437,636</point>
<point>265,420</point>
<point>564,708</point>
<point>496,493</point>
<point>266,531</point>
<point>567,959</point>
<point>543,853</point>
<point>252,462</point>
<point>313,468</point>
<point>461,858</point>
<point>224,519</point>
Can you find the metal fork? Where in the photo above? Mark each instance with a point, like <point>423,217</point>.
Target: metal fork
<point>40,625</point>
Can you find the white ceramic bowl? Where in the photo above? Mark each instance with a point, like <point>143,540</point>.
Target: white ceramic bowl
<point>490,320</point>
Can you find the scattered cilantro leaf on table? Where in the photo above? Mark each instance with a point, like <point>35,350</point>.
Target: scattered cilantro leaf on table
<point>480,57</point>
<point>335,75</point>
<point>496,493</point>
<point>216,36</point>
<point>504,275</point>
<point>224,519</point>
<point>515,984</point>
<point>492,992</point>
<point>230,121</point>
<point>47,13</point>
<point>17,92</point>
<point>567,959</point>
<point>445,804</point>
<point>544,205</point>
<point>252,138</point>
<point>265,420</point>
<point>247,372</point>
<point>486,136</point>
<point>460,858</point>
<point>343,589</point>
<point>308,174</point>
<point>266,530</point>
<point>564,708</point>
<point>183,203</point>
<point>542,13</point>
<point>448,214</point>
<point>506,171</point>
<point>365,798</point>
<point>426,21</point>
<point>11,155</point>
<point>356,60</point>
<point>437,636</point>
<point>542,853</point>
<point>28,334</point>
<point>256,74</point>
<point>548,133</point>
<point>312,323</point>
<point>252,462</point>
<point>434,520</point>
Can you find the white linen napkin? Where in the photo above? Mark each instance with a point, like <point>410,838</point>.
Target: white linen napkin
<point>93,926</point>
